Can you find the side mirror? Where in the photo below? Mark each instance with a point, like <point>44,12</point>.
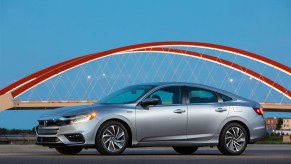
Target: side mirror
<point>149,101</point>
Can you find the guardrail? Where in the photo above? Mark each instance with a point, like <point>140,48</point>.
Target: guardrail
<point>17,138</point>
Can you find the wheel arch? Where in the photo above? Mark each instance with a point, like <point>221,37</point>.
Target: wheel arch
<point>242,124</point>
<point>124,123</point>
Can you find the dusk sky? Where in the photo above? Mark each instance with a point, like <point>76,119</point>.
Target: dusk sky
<point>36,34</point>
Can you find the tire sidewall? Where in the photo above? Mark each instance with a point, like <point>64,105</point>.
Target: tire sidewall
<point>99,144</point>
<point>185,150</point>
<point>222,143</point>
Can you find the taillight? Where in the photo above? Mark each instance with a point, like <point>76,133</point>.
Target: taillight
<point>259,111</point>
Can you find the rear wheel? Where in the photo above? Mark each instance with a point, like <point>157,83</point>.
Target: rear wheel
<point>112,138</point>
<point>185,149</point>
<point>69,150</point>
<point>233,139</point>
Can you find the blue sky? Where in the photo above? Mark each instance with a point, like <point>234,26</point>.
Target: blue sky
<point>35,34</point>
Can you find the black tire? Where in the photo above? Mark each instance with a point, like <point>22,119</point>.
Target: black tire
<point>69,150</point>
<point>185,149</point>
<point>229,139</point>
<point>104,148</point>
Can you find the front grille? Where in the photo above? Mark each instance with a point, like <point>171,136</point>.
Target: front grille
<point>53,122</point>
<point>46,131</point>
<point>47,139</point>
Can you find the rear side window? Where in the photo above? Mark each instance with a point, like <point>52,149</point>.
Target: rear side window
<point>199,95</point>
<point>225,98</point>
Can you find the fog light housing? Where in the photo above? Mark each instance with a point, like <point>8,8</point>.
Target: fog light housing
<point>75,137</point>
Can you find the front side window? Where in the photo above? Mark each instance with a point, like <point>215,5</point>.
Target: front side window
<point>126,95</point>
<point>199,95</point>
<point>168,95</point>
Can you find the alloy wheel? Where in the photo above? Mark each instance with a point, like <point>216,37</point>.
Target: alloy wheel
<point>113,138</point>
<point>235,139</point>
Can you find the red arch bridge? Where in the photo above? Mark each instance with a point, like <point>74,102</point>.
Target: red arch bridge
<point>85,79</point>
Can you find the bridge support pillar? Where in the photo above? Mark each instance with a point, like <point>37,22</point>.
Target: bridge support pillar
<point>6,101</point>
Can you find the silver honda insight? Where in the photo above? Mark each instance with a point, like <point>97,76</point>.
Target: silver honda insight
<point>184,116</point>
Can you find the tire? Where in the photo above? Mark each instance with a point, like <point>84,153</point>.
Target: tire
<point>233,139</point>
<point>112,138</point>
<point>69,150</point>
<point>185,149</point>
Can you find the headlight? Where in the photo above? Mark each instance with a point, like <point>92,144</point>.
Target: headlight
<point>79,118</point>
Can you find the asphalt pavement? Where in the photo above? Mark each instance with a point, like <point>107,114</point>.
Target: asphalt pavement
<point>256,153</point>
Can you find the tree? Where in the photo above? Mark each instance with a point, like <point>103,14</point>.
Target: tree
<point>279,123</point>
<point>3,131</point>
<point>17,131</point>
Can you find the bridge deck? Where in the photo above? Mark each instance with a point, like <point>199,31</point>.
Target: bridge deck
<point>276,107</point>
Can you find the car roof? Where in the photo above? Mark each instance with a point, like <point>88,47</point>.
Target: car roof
<point>234,96</point>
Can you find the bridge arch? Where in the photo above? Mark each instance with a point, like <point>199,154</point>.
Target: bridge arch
<point>39,77</point>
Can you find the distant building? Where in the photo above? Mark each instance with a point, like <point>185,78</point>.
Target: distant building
<point>286,124</point>
<point>271,124</point>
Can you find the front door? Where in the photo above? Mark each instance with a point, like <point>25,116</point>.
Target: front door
<point>166,121</point>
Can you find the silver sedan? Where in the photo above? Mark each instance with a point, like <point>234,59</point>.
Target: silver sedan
<point>184,116</point>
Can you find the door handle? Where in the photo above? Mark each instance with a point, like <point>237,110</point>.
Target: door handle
<point>220,109</point>
<point>179,111</point>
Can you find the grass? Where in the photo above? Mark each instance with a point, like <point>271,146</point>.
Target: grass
<point>272,139</point>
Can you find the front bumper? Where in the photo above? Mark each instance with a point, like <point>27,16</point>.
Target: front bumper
<point>78,134</point>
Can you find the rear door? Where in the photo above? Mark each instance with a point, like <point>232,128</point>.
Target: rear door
<point>205,113</point>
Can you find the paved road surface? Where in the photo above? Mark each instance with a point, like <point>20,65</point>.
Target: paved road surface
<point>258,154</point>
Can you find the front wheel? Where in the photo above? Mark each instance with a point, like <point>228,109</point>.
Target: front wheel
<point>233,139</point>
<point>185,149</point>
<point>112,138</point>
<point>69,150</point>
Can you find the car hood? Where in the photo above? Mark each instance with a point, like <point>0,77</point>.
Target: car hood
<point>84,109</point>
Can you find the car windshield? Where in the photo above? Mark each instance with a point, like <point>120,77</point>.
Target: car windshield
<point>126,95</point>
